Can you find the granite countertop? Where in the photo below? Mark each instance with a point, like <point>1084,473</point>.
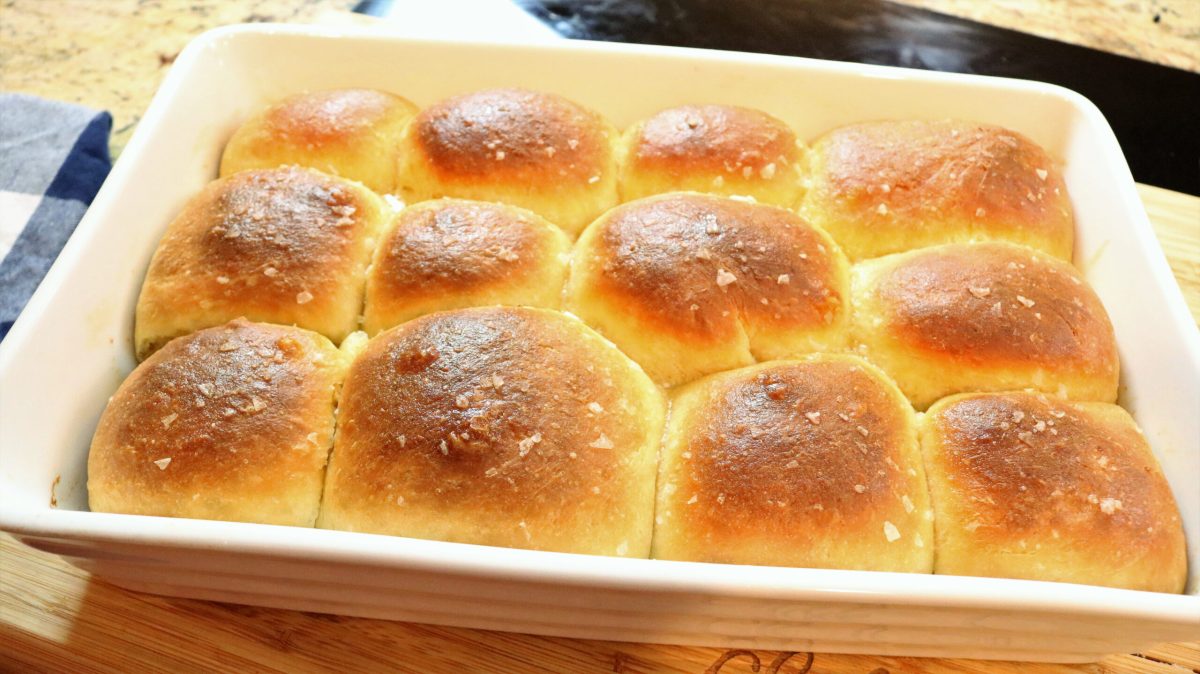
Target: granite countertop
<point>113,54</point>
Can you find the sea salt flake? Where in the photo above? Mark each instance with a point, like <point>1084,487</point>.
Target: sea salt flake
<point>601,442</point>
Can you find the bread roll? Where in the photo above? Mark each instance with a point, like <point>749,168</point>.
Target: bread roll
<point>526,148</point>
<point>887,187</point>
<point>515,427</point>
<point>1025,486</point>
<point>229,423</point>
<point>984,317</point>
<point>720,149</point>
<point>808,463</point>
<point>451,253</point>
<point>285,245</point>
<point>353,133</point>
<point>689,284</point>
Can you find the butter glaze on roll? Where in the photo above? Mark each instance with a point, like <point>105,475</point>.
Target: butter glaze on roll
<point>689,284</point>
<point>535,150</point>
<point>719,149</point>
<point>506,426</point>
<point>352,133</point>
<point>810,463</point>
<point>887,187</point>
<point>230,423</point>
<point>286,245</point>
<point>984,317</point>
<point>1025,486</point>
<point>452,253</point>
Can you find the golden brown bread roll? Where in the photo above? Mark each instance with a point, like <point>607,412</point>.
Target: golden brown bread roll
<point>984,317</point>
<point>688,284</point>
<point>526,148</point>
<point>1025,486</point>
<point>353,133</point>
<point>720,149</point>
<point>285,245</point>
<point>886,187</point>
<point>230,423</point>
<point>808,463</point>
<point>507,426</point>
<point>452,253</point>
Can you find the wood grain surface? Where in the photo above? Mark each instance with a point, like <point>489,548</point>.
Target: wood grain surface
<point>56,618</point>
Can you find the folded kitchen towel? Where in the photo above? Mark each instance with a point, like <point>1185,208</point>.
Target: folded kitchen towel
<point>53,158</point>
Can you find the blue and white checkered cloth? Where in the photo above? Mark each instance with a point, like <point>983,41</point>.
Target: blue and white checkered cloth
<point>53,158</point>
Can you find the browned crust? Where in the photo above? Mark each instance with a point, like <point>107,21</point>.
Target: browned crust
<point>1025,465</point>
<point>455,245</point>
<point>663,259</point>
<point>503,410</point>
<point>796,450</point>
<point>513,133</point>
<point>996,304</point>
<point>714,138</point>
<point>278,243</point>
<point>922,170</point>
<point>323,118</point>
<point>224,409</point>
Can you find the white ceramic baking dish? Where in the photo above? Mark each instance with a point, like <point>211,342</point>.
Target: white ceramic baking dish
<point>72,346</point>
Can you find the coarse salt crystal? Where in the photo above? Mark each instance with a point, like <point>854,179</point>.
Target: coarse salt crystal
<point>593,180</point>
<point>1109,506</point>
<point>724,278</point>
<point>882,209</point>
<point>497,381</point>
<point>601,442</point>
<point>462,402</point>
<point>813,417</point>
<point>979,212</point>
<point>1025,301</point>
<point>443,448</point>
<point>891,532</point>
<point>163,463</point>
<point>860,488</point>
<point>1042,173</point>
<point>693,499</point>
<point>768,171</point>
<point>227,346</point>
<point>595,407</point>
<point>979,292</point>
<point>169,419</point>
<point>783,279</point>
<point>312,437</point>
<point>908,504</point>
<point>863,431</point>
<point>792,464</point>
<point>623,548</point>
<point>500,155</point>
<point>527,444</point>
<point>223,280</point>
<point>303,297</point>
